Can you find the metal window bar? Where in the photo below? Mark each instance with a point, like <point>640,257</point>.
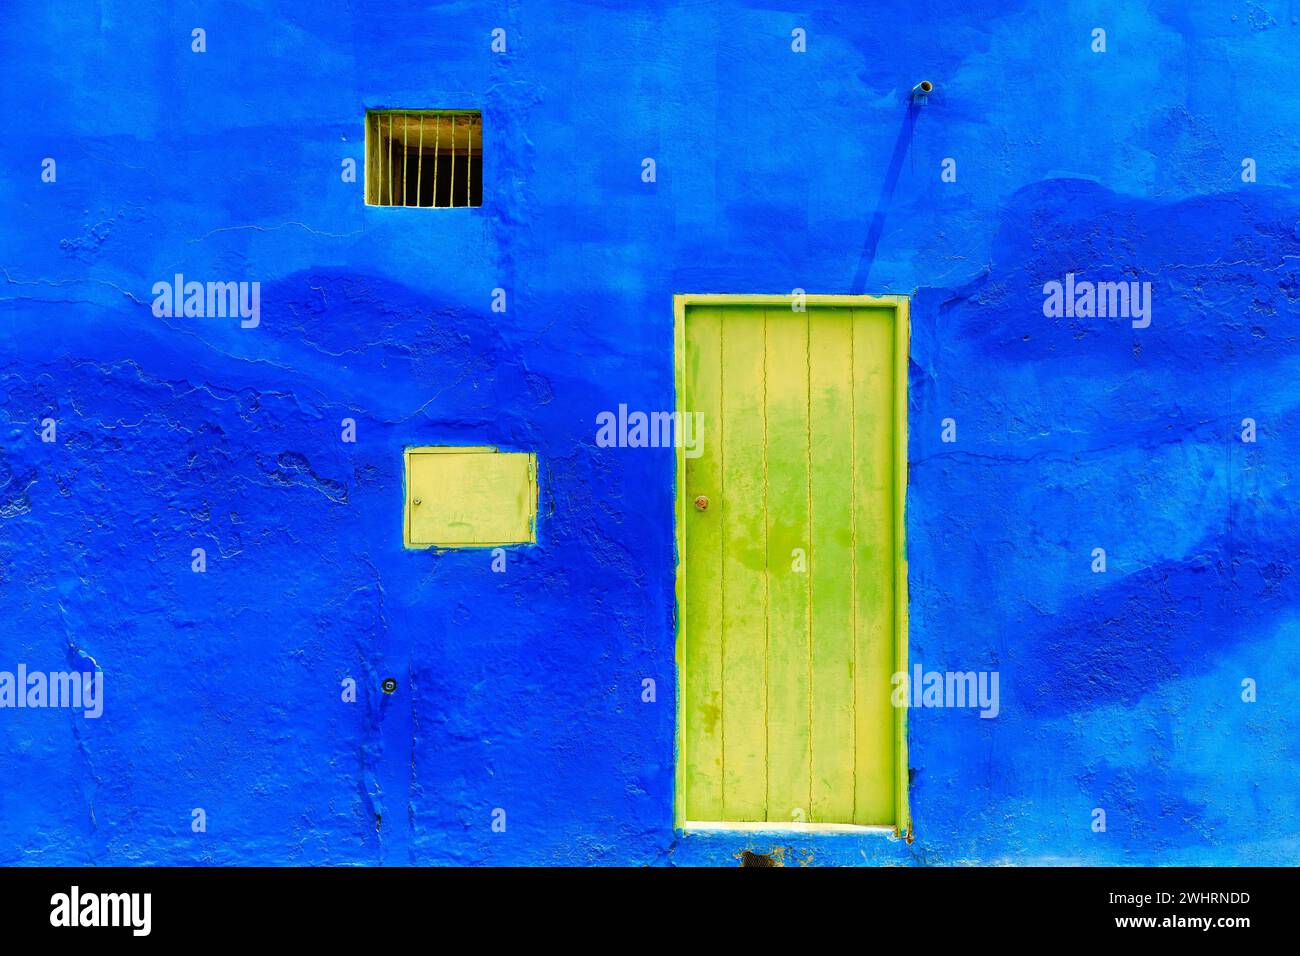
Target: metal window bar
<point>419,163</point>
<point>373,153</point>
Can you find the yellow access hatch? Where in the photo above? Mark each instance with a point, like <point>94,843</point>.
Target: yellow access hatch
<point>469,497</point>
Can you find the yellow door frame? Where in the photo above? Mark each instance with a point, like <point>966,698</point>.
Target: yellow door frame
<point>902,332</point>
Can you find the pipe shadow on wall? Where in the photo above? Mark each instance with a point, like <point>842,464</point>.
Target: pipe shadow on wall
<point>901,144</point>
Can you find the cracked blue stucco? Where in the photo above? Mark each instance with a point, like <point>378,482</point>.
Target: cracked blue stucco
<point>776,170</point>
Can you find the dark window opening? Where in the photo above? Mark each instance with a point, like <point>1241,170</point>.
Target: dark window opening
<point>430,158</point>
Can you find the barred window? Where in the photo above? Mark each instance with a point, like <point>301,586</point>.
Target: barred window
<point>430,158</point>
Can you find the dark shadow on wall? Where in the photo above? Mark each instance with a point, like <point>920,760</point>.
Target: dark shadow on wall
<point>1174,619</point>
<point>1221,267</point>
<point>1062,411</point>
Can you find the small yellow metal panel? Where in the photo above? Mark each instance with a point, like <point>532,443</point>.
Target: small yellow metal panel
<point>471,497</point>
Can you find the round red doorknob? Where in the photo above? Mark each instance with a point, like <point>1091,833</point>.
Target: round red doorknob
<point>702,503</point>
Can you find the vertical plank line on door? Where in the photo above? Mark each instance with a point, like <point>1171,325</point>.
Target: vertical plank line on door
<point>807,354</point>
<point>722,541</point>
<point>853,537</point>
<point>684,400</point>
<point>767,604</point>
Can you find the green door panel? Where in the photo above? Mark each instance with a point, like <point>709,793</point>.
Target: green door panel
<point>790,582</point>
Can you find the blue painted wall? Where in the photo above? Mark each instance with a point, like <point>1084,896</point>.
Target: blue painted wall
<point>776,170</point>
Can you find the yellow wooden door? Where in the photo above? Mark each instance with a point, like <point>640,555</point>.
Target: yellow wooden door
<point>792,579</point>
